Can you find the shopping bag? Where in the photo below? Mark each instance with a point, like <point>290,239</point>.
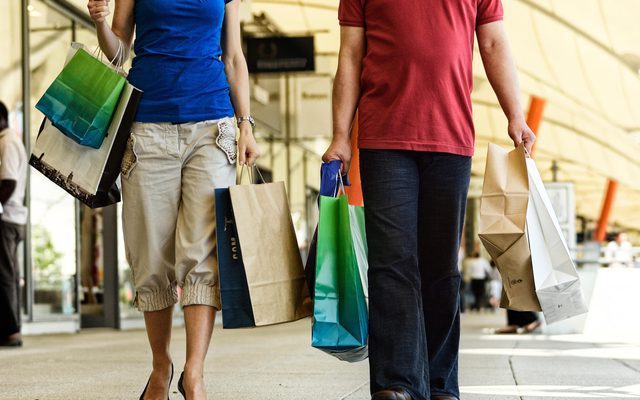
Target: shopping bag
<point>503,212</point>
<point>329,183</point>
<point>87,174</point>
<point>272,261</point>
<point>556,280</point>
<point>340,315</point>
<point>83,98</point>
<point>234,290</point>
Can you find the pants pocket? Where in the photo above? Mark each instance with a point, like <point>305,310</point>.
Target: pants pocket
<point>226,139</point>
<point>130,158</point>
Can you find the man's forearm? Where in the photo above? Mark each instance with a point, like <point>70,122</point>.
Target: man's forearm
<point>346,94</point>
<point>501,71</point>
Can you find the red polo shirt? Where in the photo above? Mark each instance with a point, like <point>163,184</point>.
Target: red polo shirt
<point>417,71</point>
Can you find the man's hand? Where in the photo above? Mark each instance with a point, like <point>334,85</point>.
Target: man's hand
<point>339,149</point>
<point>520,132</point>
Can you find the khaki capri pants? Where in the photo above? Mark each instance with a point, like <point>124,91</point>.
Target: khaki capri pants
<point>169,173</point>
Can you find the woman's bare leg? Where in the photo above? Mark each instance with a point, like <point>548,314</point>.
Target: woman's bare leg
<point>158,325</point>
<point>199,321</point>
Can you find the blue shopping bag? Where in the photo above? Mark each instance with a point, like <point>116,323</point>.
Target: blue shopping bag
<point>234,290</point>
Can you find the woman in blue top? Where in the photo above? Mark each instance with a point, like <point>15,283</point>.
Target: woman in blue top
<point>189,64</point>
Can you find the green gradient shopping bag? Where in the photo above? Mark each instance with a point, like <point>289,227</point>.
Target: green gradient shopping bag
<point>340,315</point>
<point>83,98</point>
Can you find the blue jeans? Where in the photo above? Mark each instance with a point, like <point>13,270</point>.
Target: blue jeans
<point>414,209</point>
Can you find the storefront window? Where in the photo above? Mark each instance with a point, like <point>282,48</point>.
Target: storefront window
<point>53,250</point>
<point>126,291</point>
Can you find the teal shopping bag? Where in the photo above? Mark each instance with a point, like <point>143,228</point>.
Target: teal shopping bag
<point>340,315</point>
<point>83,98</point>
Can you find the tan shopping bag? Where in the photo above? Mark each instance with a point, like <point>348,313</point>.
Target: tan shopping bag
<point>503,212</point>
<point>272,261</point>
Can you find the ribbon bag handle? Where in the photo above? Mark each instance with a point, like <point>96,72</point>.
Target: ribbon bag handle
<point>339,185</point>
<point>117,63</point>
<point>242,168</point>
<point>251,175</point>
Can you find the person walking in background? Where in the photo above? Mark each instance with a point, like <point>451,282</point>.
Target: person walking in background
<point>520,321</point>
<point>189,64</point>
<point>13,181</point>
<point>495,287</point>
<point>619,251</point>
<point>407,67</point>
<point>477,271</point>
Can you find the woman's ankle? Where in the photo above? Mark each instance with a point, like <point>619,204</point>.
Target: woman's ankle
<point>194,370</point>
<point>162,363</point>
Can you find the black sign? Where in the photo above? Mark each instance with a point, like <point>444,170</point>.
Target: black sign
<point>280,54</point>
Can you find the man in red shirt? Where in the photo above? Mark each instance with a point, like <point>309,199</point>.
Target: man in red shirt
<point>407,67</point>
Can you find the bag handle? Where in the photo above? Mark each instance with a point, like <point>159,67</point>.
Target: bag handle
<point>339,185</point>
<point>118,58</point>
<point>250,169</point>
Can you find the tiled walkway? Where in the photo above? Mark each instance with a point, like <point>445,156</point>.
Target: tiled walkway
<point>278,363</point>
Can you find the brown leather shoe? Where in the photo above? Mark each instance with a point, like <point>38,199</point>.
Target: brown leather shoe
<point>443,397</point>
<point>392,394</point>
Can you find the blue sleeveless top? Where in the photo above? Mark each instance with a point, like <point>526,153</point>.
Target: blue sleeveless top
<point>177,61</point>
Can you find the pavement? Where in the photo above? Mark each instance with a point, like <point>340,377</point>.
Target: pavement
<point>277,362</point>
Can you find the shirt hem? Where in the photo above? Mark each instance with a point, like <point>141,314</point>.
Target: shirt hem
<point>416,146</point>
<point>12,220</point>
<point>351,23</point>
<point>489,20</point>
<point>183,119</point>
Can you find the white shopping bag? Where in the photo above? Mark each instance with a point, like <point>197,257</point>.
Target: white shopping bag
<point>86,173</point>
<point>556,280</point>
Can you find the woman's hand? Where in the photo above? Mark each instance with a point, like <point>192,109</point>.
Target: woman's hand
<point>248,150</point>
<point>98,10</point>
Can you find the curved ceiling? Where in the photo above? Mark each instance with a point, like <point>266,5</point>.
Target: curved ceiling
<point>580,55</point>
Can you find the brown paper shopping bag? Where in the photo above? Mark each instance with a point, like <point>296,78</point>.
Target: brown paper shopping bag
<point>272,261</point>
<point>503,212</point>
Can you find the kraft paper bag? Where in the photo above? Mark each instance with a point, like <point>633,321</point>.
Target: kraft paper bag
<point>503,213</point>
<point>556,278</point>
<point>272,261</point>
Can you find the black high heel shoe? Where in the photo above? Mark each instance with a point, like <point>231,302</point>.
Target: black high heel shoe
<point>169,390</point>
<point>181,387</point>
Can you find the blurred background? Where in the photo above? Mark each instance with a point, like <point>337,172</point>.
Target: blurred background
<point>579,68</point>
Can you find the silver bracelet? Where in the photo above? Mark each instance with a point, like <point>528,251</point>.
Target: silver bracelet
<point>248,118</point>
